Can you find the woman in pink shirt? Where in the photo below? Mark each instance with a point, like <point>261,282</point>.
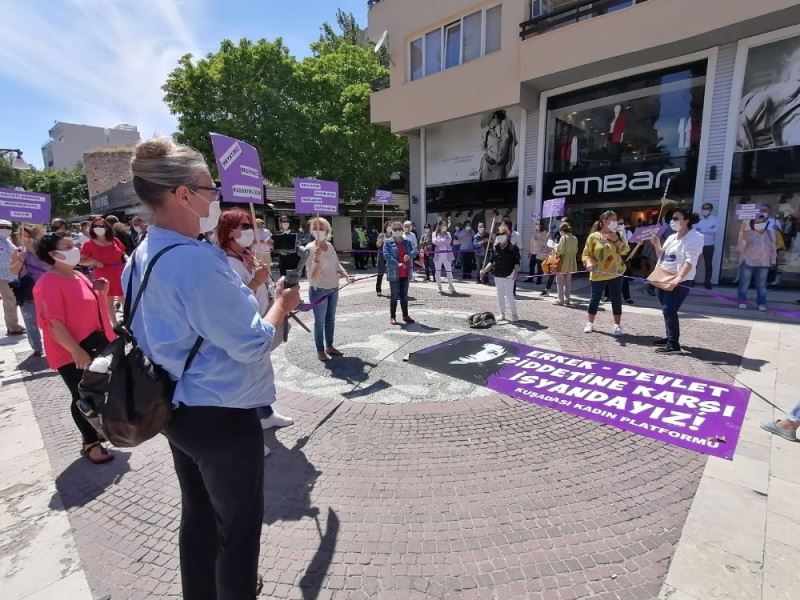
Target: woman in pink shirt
<point>74,319</point>
<point>758,252</point>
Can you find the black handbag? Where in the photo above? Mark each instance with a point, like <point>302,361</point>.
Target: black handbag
<point>22,288</point>
<point>132,400</point>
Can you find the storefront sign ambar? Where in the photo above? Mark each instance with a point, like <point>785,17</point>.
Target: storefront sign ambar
<point>613,183</point>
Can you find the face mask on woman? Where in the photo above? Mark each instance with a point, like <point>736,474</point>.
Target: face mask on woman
<point>705,212</point>
<point>397,233</point>
<point>71,257</point>
<point>210,222</point>
<point>613,225</point>
<point>319,234</point>
<point>246,238</point>
<point>501,239</point>
<point>285,226</point>
<point>675,225</point>
<point>759,226</point>
<point>481,230</point>
<point>99,231</point>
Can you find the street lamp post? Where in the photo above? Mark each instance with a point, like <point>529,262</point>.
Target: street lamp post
<point>17,162</point>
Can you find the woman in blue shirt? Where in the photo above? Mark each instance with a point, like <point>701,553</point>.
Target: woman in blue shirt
<point>399,255</point>
<point>215,435</point>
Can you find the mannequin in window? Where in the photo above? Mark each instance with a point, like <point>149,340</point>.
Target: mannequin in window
<point>617,133</point>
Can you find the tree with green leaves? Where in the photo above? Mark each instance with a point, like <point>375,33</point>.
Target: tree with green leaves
<point>67,188</point>
<point>248,91</point>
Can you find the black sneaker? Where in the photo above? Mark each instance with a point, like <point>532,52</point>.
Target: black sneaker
<point>629,301</point>
<point>544,293</point>
<point>660,342</point>
<point>708,286</point>
<point>669,348</point>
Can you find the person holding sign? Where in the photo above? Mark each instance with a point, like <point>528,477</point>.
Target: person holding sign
<point>677,259</point>
<point>566,250</point>
<point>758,251</point>
<point>603,257</point>
<point>399,254</point>
<point>324,272</point>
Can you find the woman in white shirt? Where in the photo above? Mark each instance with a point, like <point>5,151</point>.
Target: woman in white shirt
<point>236,237</point>
<point>324,272</point>
<point>679,255</point>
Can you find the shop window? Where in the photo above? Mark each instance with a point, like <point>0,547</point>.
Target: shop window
<point>433,52</point>
<point>416,59</point>
<point>472,36</point>
<point>494,17</point>
<point>452,45</point>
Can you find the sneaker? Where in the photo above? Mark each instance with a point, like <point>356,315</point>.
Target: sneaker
<point>660,342</point>
<point>606,299</point>
<point>544,293</point>
<point>762,308</point>
<point>669,348</point>
<point>629,301</point>
<point>617,331</point>
<point>708,286</point>
<point>773,427</point>
<point>276,420</point>
<point>589,328</point>
<point>743,306</point>
<point>451,290</point>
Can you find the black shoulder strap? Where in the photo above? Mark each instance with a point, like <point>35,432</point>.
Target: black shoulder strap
<point>129,311</point>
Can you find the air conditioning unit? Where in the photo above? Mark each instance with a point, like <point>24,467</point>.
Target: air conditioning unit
<point>540,8</point>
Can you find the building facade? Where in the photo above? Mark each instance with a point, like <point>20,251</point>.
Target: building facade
<point>610,104</point>
<point>69,142</point>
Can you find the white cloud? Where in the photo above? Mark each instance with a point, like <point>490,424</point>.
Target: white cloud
<point>100,62</point>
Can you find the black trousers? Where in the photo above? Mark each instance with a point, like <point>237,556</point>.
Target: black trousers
<point>219,459</point>
<point>708,260</point>
<point>468,264</point>
<point>72,376</point>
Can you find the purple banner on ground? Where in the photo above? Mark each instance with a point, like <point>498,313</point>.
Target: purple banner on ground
<point>681,410</point>
<point>642,234</point>
<point>553,208</point>
<point>25,207</point>
<point>239,169</point>
<point>383,197</point>
<point>316,197</point>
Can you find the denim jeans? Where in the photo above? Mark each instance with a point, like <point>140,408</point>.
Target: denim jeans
<point>670,304</point>
<point>794,415</point>
<point>28,310</point>
<point>614,287</point>
<point>759,276</point>
<point>324,316</point>
<point>399,290</point>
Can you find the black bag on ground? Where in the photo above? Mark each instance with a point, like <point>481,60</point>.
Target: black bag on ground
<point>482,320</point>
<point>130,401</point>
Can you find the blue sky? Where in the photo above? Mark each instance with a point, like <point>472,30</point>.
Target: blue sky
<point>102,62</point>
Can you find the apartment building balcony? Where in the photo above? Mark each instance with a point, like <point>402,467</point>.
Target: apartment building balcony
<point>579,40</point>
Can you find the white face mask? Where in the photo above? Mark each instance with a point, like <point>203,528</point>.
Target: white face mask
<point>319,234</point>
<point>675,225</point>
<point>501,239</point>
<point>209,223</point>
<point>285,226</point>
<point>760,226</point>
<point>99,231</point>
<point>705,213</point>
<point>246,238</point>
<point>5,234</point>
<point>138,229</point>
<point>481,229</point>
<point>613,225</point>
<point>71,257</point>
<point>398,233</point>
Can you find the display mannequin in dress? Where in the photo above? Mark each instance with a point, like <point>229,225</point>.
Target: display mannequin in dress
<point>617,133</point>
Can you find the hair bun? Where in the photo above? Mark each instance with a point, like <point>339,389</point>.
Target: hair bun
<point>155,148</point>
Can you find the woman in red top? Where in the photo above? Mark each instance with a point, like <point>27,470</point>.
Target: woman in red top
<point>73,317</point>
<point>106,255</point>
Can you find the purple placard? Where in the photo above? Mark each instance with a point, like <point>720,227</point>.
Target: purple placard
<point>316,197</point>
<point>383,197</point>
<point>239,169</point>
<point>26,207</point>
<point>643,234</point>
<point>681,410</point>
<point>553,208</point>
<point>746,212</point>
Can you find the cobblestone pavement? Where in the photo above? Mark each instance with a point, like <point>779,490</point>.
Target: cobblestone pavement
<point>480,496</point>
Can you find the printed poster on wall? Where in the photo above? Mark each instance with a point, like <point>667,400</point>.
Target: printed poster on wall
<point>769,113</point>
<point>478,148</point>
<point>680,410</point>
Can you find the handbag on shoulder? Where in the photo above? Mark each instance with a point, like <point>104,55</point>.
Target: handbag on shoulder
<point>662,279</point>
<point>124,395</point>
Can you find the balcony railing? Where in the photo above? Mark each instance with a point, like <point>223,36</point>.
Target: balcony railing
<point>572,12</point>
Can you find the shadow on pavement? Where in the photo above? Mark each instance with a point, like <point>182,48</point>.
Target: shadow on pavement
<point>372,388</point>
<point>311,582</point>
<point>288,480</point>
<point>81,482</point>
<point>349,368</point>
<point>720,358</point>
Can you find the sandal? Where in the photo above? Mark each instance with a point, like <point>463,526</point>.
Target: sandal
<point>104,455</point>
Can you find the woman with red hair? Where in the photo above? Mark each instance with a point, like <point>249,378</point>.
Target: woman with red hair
<point>236,236</point>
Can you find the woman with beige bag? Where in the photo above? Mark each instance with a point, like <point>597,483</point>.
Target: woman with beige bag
<point>566,251</point>
<point>674,273</point>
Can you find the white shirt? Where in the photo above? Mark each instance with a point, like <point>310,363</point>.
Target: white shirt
<point>262,293</point>
<point>708,227</point>
<point>516,239</point>
<point>411,237</point>
<point>677,252</point>
<point>328,277</point>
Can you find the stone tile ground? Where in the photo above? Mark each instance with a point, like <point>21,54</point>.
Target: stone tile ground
<point>483,497</point>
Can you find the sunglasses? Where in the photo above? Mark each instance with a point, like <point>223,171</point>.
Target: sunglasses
<point>245,226</point>
<point>216,190</point>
